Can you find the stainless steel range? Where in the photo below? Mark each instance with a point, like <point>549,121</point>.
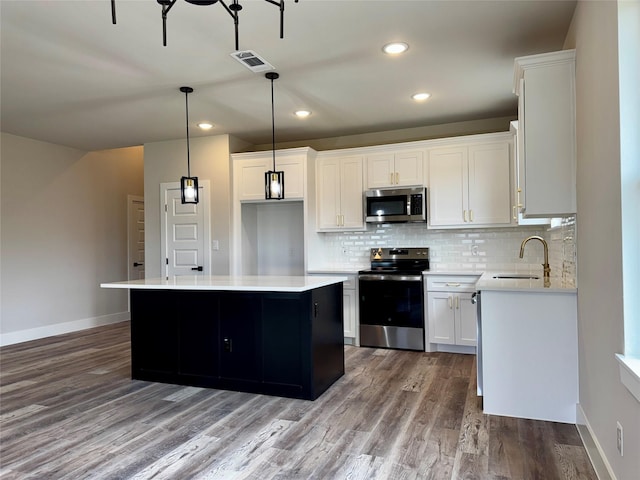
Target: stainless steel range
<point>392,298</point>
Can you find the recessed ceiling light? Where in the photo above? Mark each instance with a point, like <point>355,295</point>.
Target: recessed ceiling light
<point>205,125</point>
<point>420,97</point>
<point>302,113</point>
<point>395,48</point>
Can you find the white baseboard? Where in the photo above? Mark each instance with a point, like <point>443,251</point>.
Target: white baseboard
<point>60,328</point>
<point>593,448</point>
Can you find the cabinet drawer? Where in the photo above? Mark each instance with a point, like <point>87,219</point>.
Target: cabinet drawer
<point>457,283</point>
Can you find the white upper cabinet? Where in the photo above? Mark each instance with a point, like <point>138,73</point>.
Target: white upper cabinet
<point>470,184</point>
<point>545,85</point>
<point>339,200</point>
<point>393,169</point>
<point>249,170</point>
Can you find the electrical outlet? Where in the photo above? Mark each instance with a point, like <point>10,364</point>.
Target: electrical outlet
<point>619,439</point>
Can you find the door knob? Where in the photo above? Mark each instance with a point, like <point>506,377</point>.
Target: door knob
<point>199,269</point>
<point>138,264</point>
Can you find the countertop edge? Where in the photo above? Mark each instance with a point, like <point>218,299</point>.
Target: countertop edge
<point>292,284</point>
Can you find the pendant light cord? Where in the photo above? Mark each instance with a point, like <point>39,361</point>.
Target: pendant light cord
<point>186,102</point>
<point>273,128</point>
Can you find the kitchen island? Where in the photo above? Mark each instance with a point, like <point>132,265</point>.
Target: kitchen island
<point>276,335</point>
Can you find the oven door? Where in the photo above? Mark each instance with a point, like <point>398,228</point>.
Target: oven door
<point>391,311</point>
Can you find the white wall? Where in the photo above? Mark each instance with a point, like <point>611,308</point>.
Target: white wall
<point>64,231</point>
<point>603,398</point>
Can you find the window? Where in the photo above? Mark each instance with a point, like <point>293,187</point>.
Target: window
<point>629,103</point>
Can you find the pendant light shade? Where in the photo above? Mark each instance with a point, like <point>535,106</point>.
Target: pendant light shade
<point>273,180</point>
<point>189,189</point>
<point>188,185</point>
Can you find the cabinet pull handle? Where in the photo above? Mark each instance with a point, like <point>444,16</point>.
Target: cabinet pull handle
<point>391,178</point>
<point>450,302</point>
<point>515,216</point>
<point>464,214</point>
<point>457,302</point>
<point>397,178</point>
<point>338,220</point>
<point>453,284</point>
<point>471,215</point>
<point>342,220</point>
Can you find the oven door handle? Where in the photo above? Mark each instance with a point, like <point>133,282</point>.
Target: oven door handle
<point>394,278</point>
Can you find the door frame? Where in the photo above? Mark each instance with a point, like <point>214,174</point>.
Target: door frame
<point>204,203</point>
<point>131,199</point>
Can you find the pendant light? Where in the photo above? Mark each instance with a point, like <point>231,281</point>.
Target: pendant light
<point>188,184</point>
<point>274,181</point>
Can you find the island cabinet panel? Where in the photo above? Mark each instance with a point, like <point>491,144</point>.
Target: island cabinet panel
<point>197,336</point>
<point>155,336</point>
<point>285,359</point>
<point>276,343</point>
<point>239,341</point>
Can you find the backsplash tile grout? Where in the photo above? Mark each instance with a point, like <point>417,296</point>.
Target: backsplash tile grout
<point>474,250</point>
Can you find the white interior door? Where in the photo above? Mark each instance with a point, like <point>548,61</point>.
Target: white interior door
<point>135,234</point>
<point>185,232</point>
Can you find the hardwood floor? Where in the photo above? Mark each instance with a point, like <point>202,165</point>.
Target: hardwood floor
<point>69,410</point>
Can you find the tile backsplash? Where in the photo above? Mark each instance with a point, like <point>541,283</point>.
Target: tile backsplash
<point>482,249</point>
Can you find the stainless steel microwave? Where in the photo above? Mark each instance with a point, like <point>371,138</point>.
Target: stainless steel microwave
<point>396,205</point>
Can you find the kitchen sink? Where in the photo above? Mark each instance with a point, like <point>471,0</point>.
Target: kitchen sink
<point>518,276</point>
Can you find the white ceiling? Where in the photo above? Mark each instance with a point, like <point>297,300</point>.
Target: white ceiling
<point>71,77</point>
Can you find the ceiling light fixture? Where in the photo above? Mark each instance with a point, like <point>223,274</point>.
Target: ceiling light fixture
<point>395,48</point>
<point>420,97</point>
<point>302,113</point>
<point>274,181</point>
<point>188,184</point>
<point>205,125</point>
<point>232,9</point>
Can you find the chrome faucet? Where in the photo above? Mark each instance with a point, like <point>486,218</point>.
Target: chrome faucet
<point>545,265</point>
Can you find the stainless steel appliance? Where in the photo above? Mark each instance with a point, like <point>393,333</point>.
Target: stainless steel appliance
<point>396,205</point>
<point>392,298</point>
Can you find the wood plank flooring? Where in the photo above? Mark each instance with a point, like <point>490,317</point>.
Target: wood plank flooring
<point>69,410</point>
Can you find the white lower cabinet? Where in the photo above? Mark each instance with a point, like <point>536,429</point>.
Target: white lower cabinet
<point>451,317</point>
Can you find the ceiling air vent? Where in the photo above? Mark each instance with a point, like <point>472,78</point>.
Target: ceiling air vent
<point>252,61</point>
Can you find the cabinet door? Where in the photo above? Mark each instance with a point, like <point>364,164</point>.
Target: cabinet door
<point>490,184</point>
<point>409,168</point>
<point>380,170</point>
<point>328,194</point>
<point>448,186</point>
<point>441,317</point>
<point>285,339</point>
<point>351,193</point>
<point>293,169</point>
<point>250,178</point>
<point>239,339</point>
<point>154,334</point>
<point>349,312</point>
<point>549,138</point>
<point>466,329</point>
<point>197,319</point>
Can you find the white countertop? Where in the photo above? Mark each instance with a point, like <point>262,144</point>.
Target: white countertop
<point>240,283</point>
<point>555,285</point>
